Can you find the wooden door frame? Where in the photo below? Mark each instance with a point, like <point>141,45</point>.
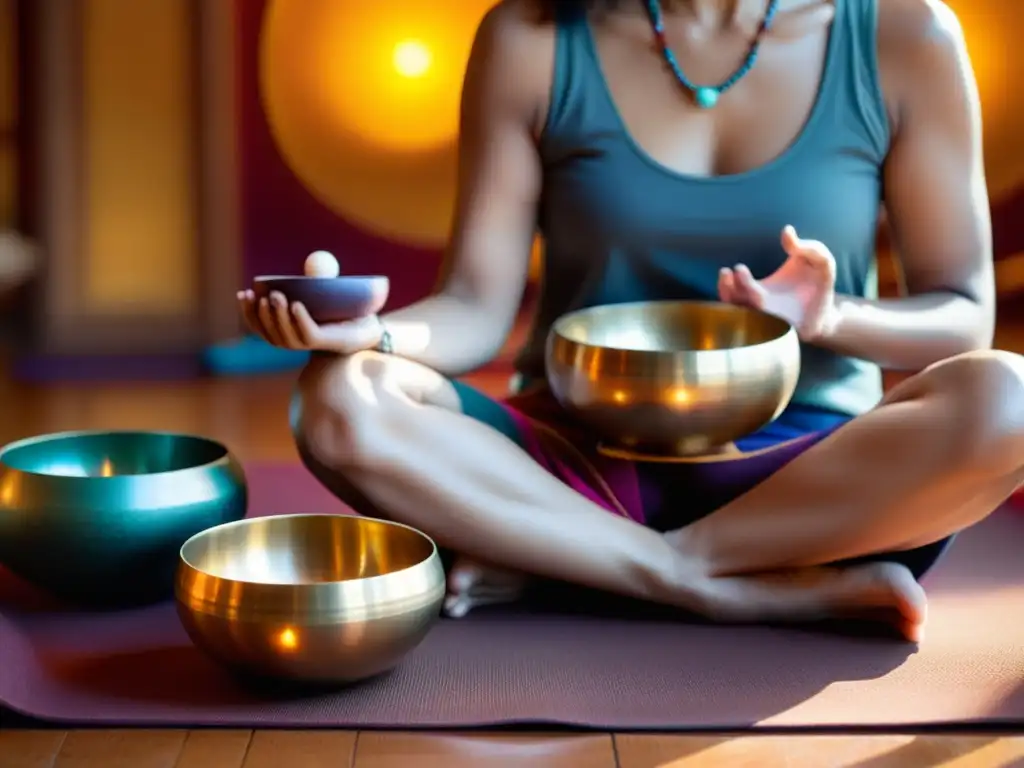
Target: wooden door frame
<point>219,94</point>
<point>54,58</point>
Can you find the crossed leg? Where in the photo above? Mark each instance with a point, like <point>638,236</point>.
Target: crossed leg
<point>941,452</point>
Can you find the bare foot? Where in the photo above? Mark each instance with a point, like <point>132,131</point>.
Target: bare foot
<point>881,592</point>
<point>472,585</point>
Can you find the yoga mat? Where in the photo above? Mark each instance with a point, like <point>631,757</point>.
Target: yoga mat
<point>538,667</point>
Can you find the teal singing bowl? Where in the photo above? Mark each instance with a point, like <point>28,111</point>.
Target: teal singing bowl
<point>98,518</point>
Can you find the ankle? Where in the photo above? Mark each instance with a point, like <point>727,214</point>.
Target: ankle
<point>683,579</point>
<point>692,549</point>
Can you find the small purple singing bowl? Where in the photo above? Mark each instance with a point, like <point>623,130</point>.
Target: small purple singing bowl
<point>329,299</point>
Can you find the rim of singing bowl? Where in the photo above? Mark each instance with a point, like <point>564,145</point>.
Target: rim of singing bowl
<point>359,278</point>
<point>223,455</point>
<point>275,599</point>
<point>559,327</point>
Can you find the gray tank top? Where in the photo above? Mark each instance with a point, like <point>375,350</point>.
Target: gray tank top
<point>618,227</point>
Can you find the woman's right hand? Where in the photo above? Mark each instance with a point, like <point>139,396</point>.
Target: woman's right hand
<point>290,326</point>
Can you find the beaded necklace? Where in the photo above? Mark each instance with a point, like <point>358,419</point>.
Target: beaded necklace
<point>706,96</point>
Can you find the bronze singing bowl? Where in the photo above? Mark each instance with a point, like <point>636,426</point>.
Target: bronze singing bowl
<point>672,378</point>
<point>98,518</point>
<point>309,598</point>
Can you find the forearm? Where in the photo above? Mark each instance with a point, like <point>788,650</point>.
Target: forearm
<point>909,333</point>
<point>451,334</point>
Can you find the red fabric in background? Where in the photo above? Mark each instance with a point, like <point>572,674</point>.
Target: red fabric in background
<point>1017,500</point>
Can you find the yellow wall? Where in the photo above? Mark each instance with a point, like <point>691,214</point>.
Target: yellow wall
<point>8,113</point>
<point>139,157</point>
<point>992,29</point>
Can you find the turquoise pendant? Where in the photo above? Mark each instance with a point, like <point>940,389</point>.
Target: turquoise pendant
<point>706,98</point>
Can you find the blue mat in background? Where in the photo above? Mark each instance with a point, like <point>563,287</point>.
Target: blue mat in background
<point>251,356</point>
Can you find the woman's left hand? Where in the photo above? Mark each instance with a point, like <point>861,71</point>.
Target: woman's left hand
<point>802,291</point>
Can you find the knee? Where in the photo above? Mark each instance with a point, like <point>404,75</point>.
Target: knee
<point>983,405</point>
<point>334,411</point>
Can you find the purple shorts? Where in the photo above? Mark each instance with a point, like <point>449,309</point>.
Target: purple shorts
<point>664,496</point>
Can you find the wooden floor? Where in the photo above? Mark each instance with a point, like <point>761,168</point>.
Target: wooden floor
<point>343,749</point>
<point>250,417</point>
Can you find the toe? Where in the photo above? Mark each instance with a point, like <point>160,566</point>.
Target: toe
<point>464,575</point>
<point>457,606</point>
<point>471,586</point>
<point>909,596</point>
<point>462,580</point>
<point>913,632</point>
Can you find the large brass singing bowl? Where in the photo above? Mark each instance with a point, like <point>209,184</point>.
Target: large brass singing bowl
<point>310,598</point>
<point>672,378</point>
<point>99,517</point>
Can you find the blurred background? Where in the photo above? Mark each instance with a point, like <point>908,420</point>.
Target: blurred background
<point>156,155</point>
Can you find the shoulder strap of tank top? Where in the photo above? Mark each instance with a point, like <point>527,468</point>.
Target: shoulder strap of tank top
<point>860,90</point>
<point>577,92</point>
